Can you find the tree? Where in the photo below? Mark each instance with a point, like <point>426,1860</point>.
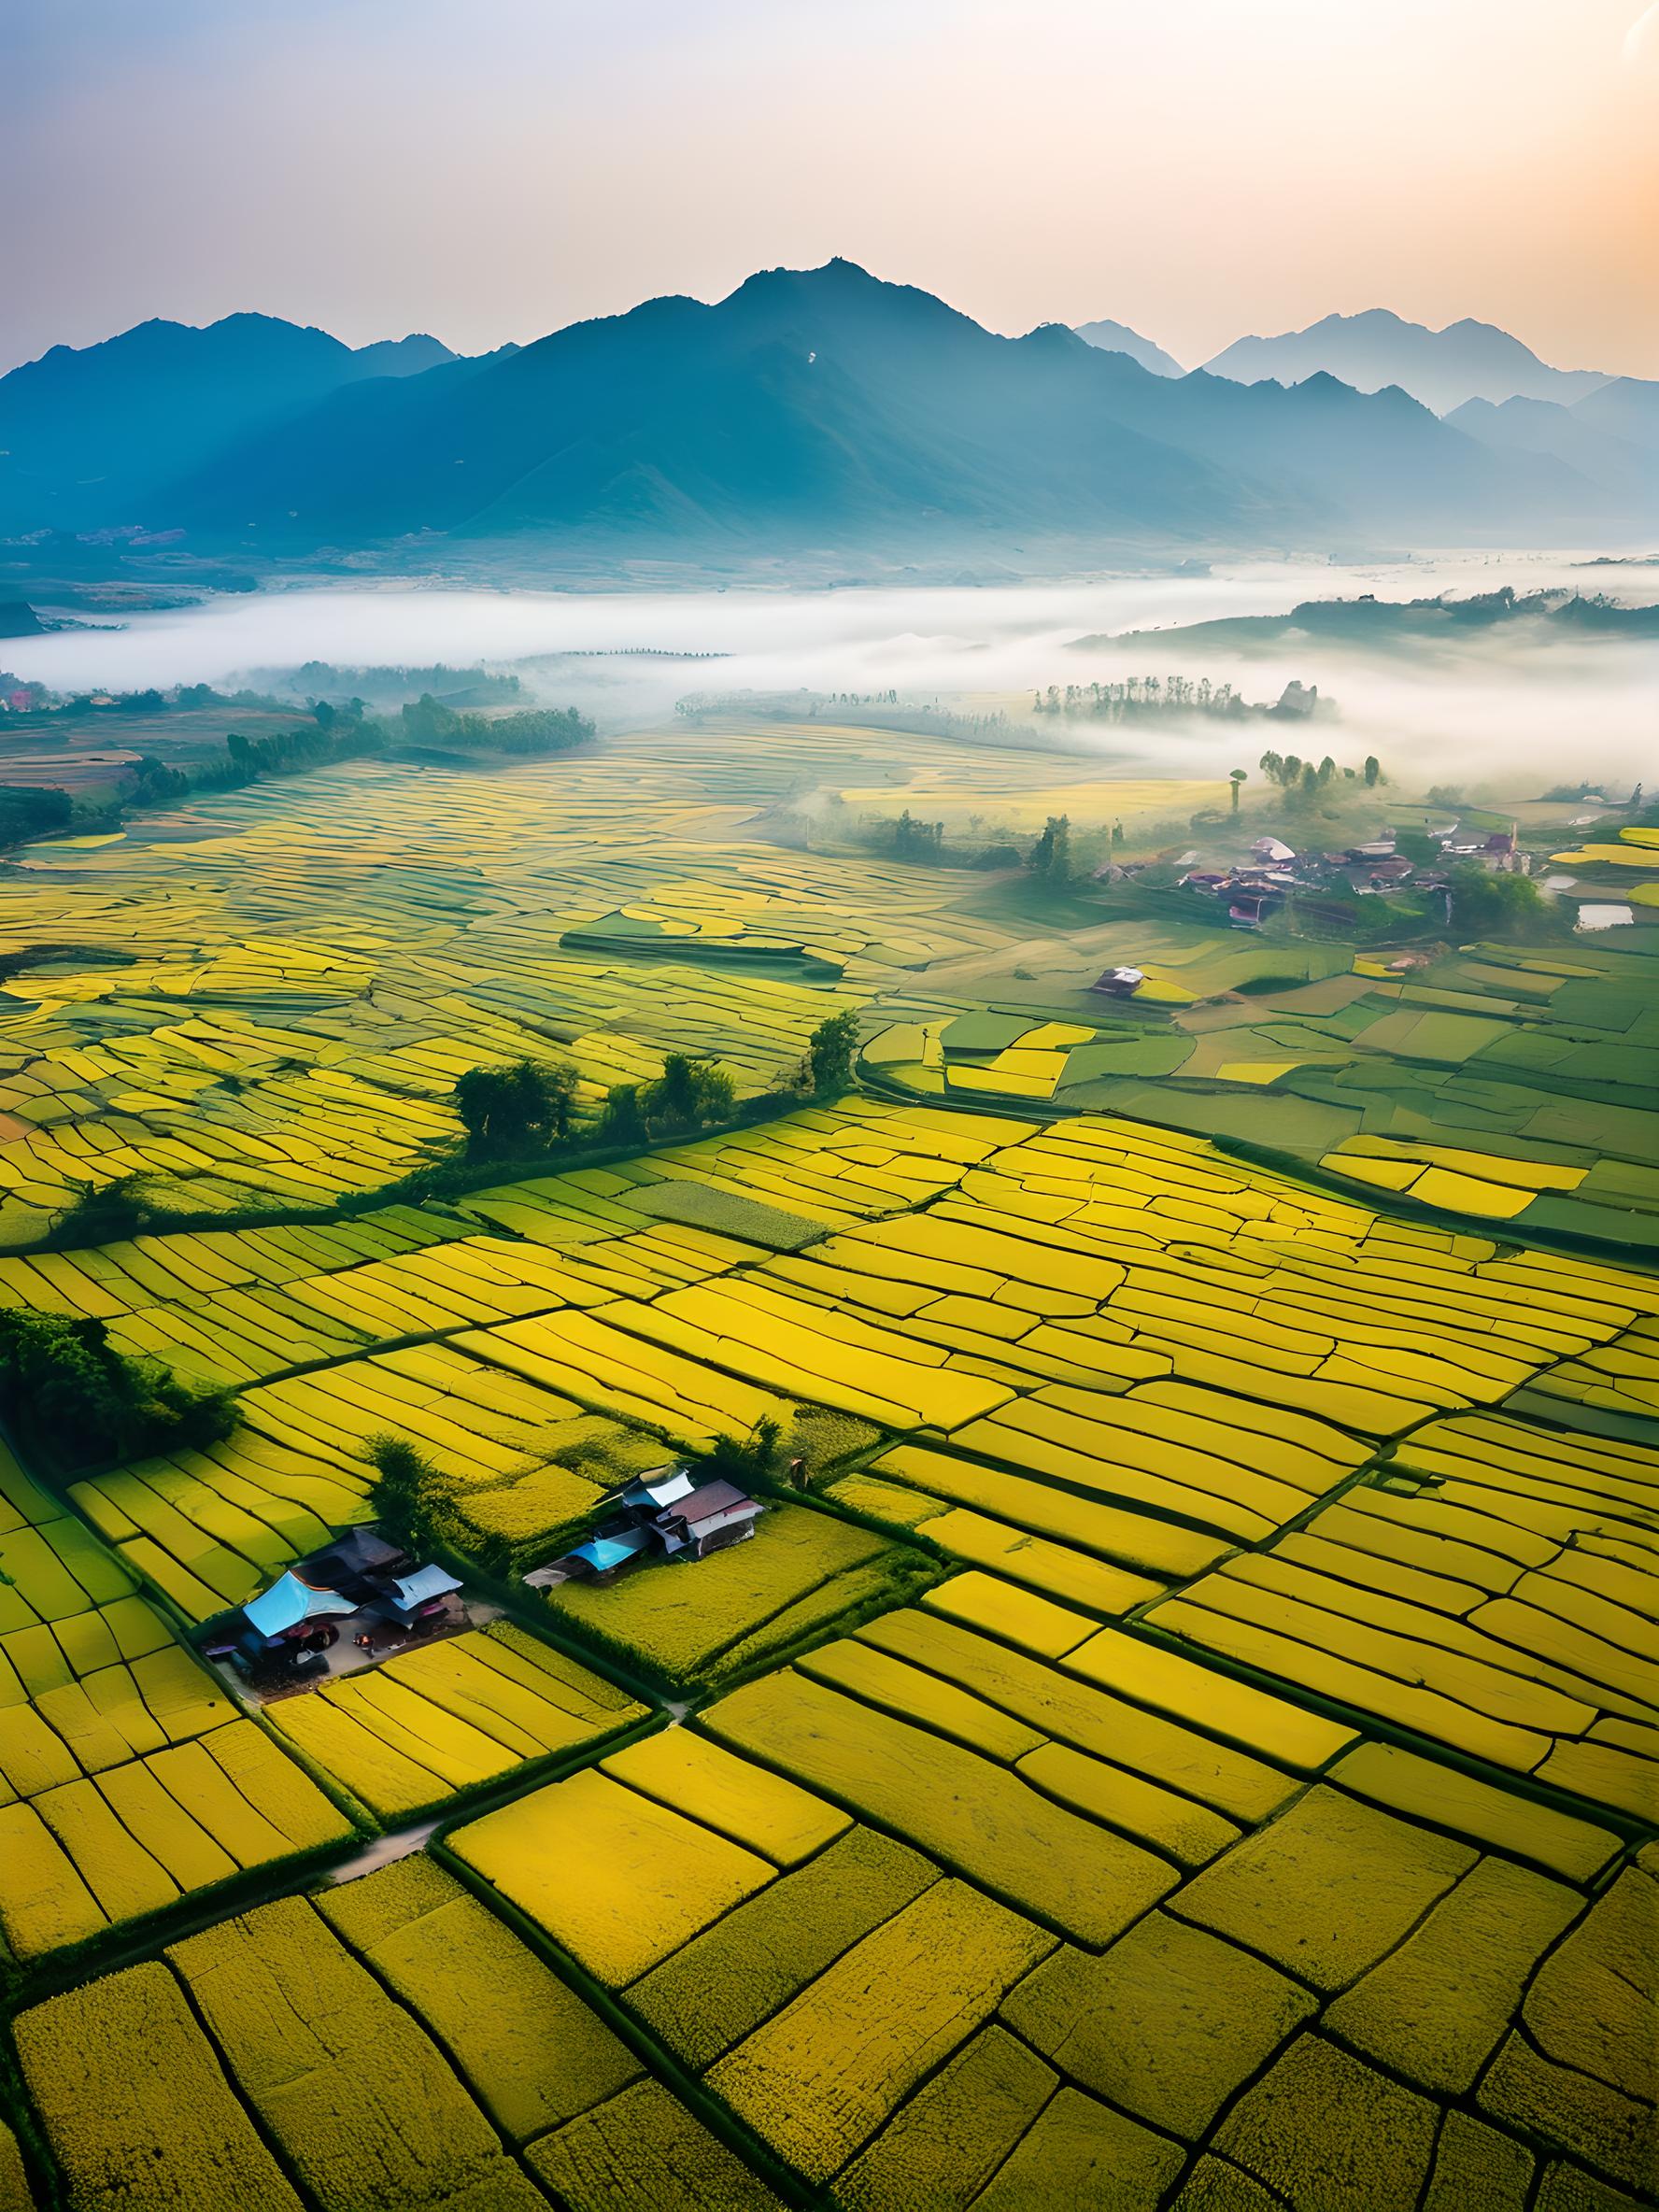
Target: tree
<point>1503,905</point>
<point>1237,777</point>
<point>742,1461</point>
<point>1373,771</point>
<point>828,1065</point>
<point>410,1495</point>
<point>154,784</point>
<point>1051,856</point>
<point>63,1381</point>
<point>688,1093</point>
<point>508,1112</point>
<point>623,1121</point>
<point>106,1214</point>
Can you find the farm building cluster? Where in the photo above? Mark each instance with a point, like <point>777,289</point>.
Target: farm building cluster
<point>666,1514</point>
<point>361,1591</point>
<point>1255,888</point>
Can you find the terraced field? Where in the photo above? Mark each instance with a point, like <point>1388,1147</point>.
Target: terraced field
<point>275,994</point>
<point>1195,1742</point>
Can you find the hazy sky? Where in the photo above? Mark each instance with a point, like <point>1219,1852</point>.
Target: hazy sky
<point>490,169</point>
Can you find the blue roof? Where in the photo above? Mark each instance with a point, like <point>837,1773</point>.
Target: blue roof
<point>602,1552</point>
<point>288,1601</point>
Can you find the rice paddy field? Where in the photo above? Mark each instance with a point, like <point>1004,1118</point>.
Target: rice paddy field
<point>1193,1744</point>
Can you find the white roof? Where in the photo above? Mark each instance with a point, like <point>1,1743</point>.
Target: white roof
<point>1273,848</point>
<point>665,1487</point>
<point>1605,917</point>
<point>426,1582</point>
<point>1127,975</point>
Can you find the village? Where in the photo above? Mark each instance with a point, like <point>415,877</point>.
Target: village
<point>1254,888</point>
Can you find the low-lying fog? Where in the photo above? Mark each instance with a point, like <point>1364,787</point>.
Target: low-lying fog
<point>1508,707</point>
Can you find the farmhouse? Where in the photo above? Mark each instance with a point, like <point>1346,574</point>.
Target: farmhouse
<point>361,1586</point>
<point>1119,982</point>
<point>710,1518</point>
<point>665,1515</point>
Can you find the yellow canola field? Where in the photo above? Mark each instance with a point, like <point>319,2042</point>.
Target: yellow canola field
<point>819,2078</point>
<point>759,1810</point>
<point>532,2052</point>
<point>83,1856</point>
<point>1504,1611</point>
<point>358,2101</point>
<point>126,2081</point>
<point>614,1878</point>
<point>1132,1336</point>
<point>449,1716</point>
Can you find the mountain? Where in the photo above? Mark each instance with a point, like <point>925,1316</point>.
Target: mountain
<point>825,409</point>
<point>1624,407</point>
<point>1441,368</point>
<point>815,407</point>
<point>1117,337</point>
<point>87,434</point>
<point>1542,426</point>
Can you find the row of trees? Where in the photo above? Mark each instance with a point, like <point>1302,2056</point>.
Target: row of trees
<point>334,734</point>
<point>1305,779</point>
<point>528,1107</point>
<point>1143,694</point>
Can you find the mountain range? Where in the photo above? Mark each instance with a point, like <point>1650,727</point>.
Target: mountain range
<point>86,429</point>
<point>1441,368</point>
<point>811,410</point>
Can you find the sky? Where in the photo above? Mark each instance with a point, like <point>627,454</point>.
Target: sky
<point>493,169</point>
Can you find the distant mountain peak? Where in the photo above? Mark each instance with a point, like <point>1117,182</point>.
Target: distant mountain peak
<point>1377,347</point>
<point>1117,337</point>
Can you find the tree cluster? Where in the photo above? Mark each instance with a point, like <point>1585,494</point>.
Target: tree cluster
<point>743,1461</point>
<point>517,1111</point>
<point>1304,780</point>
<point>66,1386</point>
<point>690,1092</point>
<point>537,730</point>
<point>510,1113</point>
<point>1500,904</point>
<point>33,810</point>
<point>108,1213</point>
